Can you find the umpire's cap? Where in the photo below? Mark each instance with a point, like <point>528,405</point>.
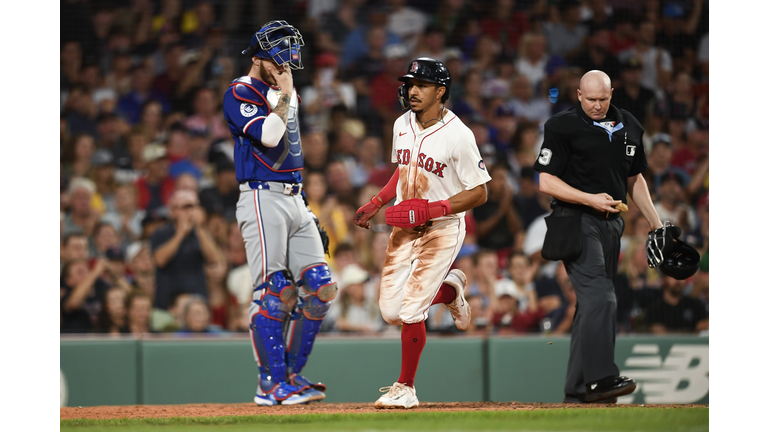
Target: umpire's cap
<point>429,70</point>
<point>681,260</point>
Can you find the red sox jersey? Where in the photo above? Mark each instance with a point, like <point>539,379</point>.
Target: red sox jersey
<point>438,162</point>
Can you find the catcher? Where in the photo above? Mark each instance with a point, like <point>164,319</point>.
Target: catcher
<point>439,176</point>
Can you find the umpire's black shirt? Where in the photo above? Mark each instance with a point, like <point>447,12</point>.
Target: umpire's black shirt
<point>589,156</point>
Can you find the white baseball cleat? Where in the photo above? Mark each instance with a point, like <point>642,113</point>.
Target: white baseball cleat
<point>398,396</point>
<point>460,309</point>
<point>269,400</point>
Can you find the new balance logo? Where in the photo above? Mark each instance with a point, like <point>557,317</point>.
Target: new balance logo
<point>682,376</point>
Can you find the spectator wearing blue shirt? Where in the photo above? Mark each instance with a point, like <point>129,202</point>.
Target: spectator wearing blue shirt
<point>356,44</point>
<point>130,105</point>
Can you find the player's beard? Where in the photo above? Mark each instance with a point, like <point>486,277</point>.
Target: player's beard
<point>266,76</point>
<point>418,110</point>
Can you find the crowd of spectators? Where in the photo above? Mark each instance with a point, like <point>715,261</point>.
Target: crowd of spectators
<point>149,240</point>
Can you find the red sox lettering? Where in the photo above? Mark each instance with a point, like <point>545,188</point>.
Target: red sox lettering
<point>428,163</point>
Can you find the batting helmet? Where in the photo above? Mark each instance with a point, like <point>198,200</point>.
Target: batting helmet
<point>278,41</point>
<point>425,69</point>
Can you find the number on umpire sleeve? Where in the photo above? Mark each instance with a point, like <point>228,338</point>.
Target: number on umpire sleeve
<point>545,157</point>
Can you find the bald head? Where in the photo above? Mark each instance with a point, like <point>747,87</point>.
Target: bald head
<point>595,80</point>
<point>595,94</point>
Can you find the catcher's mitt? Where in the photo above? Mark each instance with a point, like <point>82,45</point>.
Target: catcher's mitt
<point>323,234</point>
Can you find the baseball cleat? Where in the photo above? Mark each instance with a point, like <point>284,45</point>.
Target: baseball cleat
<point>269,400</point>
<point>313,395</point>
<point>460,309</point>
<point>397,396</point>
<point>315,391</point>
<point>282,394</point>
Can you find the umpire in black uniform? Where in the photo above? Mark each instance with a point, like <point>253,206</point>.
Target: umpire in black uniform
<point>592,156</point>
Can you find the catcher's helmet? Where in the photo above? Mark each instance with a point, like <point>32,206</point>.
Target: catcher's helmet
<point>278,41</point>
<point>681,260</point>
<point>425,69</point>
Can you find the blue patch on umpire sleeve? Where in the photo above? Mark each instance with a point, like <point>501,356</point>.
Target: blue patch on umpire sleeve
<point>481,164</point>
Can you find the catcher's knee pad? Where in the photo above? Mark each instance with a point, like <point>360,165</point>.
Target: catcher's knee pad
<point>316,282</point>
<point>318,292</point>
<point>275,299</point>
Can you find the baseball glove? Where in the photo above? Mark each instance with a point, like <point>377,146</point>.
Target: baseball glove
<point>659,243</point>
<point>366,212</point>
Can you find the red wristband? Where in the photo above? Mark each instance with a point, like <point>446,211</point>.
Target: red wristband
<point>439,208</point>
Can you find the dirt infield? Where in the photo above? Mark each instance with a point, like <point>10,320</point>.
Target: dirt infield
<point>244,409</point>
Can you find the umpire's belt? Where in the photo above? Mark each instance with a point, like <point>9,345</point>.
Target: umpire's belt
<point>284,188</point>
<point>561,209</point>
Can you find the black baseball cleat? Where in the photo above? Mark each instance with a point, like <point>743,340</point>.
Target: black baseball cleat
<point>611,387</point>
<point>580,399</point>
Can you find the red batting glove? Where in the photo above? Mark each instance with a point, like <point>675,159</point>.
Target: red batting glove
<point>416,212</point>
<point>366,212</point>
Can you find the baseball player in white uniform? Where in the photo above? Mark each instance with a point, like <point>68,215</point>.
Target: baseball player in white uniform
<point>440,175</point>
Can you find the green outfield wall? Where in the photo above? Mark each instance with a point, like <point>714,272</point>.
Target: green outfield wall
<point>673,369</point>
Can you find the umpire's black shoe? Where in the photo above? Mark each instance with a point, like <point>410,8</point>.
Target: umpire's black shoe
<point>580,399</point>
<point>610,387</point>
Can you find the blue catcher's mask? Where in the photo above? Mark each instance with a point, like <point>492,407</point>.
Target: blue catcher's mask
<point>278,41</point>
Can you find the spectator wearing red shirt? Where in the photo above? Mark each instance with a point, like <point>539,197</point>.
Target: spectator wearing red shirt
<point>207,120</point>
<point>623,35</point>
<point>509,319</point>
<point>155,187</point>
<point>505,25</point>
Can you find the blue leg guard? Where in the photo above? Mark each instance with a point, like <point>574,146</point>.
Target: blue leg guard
<point>275,300</point>
<point>318,292</point>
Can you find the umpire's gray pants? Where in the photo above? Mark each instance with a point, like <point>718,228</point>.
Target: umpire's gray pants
<point>593,336</point>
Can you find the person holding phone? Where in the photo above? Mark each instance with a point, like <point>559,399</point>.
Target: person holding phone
<point>181,248</point>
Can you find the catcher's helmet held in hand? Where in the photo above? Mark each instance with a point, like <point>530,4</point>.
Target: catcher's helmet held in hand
<point>424,69</point>
<point>681,261</point>
<point>278,41</point>
<point>674,257</point>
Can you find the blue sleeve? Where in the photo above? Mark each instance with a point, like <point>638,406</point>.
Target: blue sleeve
<point>245,110</point>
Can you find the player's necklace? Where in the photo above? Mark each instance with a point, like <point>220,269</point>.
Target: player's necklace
<point>442,110</point>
